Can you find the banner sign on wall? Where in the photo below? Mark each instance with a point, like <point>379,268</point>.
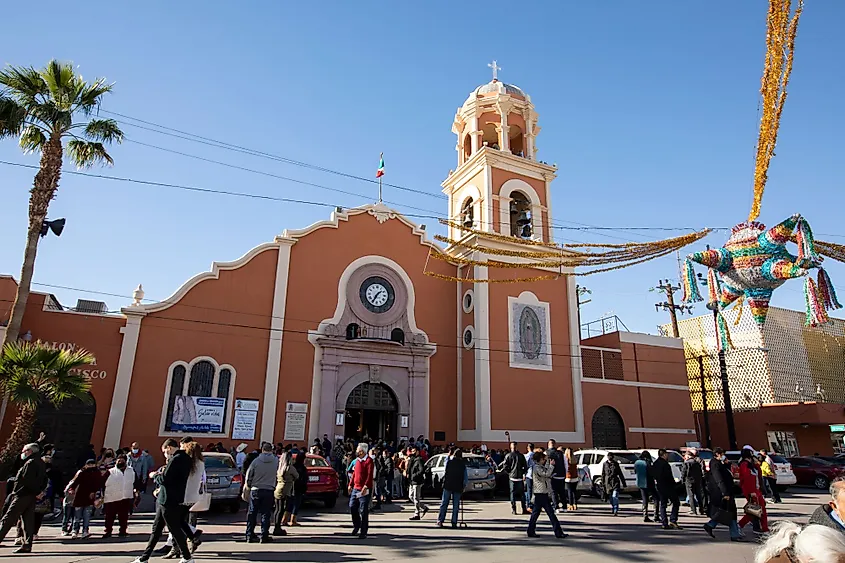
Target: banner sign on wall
<point>295,417</point>
<point>245,419</point>
<point>198,415</point>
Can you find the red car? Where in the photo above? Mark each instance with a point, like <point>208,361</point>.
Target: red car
<point>323,484</point>
<point>815,472</point>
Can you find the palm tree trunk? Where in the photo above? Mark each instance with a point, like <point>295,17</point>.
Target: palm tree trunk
<point>43,191</point>
<point>19,438</point>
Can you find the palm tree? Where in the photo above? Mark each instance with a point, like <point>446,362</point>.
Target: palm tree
<point>41,107</point>
<point>31,372</point>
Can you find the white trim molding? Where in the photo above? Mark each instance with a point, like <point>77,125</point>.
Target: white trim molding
<point>651,340</point>
<point>528,298</point>
<point>686,431</point>
<point>186,386</point>
<point>643,384</point>
<point>123,379</point>
<point>274,349</point>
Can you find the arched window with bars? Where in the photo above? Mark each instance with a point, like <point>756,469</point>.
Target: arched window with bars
<point>201,377</point>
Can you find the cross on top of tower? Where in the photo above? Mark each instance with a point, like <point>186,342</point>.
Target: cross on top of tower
<point>496,68</point>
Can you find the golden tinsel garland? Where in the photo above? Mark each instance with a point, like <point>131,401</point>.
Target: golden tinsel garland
<point>474,280</point>
<point>496,236</point>
<point>780,50</point>
<point>494,263</point>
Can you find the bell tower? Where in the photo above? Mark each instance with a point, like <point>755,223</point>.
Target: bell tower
<point>499,185</point>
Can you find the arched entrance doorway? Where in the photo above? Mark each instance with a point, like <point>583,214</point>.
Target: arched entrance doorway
<point>608,429</point>
<point>371,411</point>
<point>68,427</point>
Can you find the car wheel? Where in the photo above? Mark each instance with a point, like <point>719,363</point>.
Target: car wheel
<point>235,506</point>
<point>330,502</point>
<point>821,482</point>
<point>598,488</point>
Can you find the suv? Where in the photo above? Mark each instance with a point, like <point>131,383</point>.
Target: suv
<point>593,460</point>
<point>482,476</point>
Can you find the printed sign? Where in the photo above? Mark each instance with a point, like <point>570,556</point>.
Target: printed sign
<point>403,421</point>
<point>243,424</point>
<point>198,415</point>
<point>339,419</point>
<point>246,405</point>
<point>295,419</point>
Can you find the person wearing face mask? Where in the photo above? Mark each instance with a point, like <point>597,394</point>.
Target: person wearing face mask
<point>30,481</point>
<point>118,496</point>
<point>141,464</point>
<point>171,483</point>
<point>360,491</point>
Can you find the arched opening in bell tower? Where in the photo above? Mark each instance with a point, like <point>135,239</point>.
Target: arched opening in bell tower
<point>516,140</point>
<point>467,147</point>
<point>489,136</point>
<point>520,215</point>
<point>468,213</point>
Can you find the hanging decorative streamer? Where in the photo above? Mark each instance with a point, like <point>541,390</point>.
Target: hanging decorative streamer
<point>780,50</point>
<point>477,280</point>
<point>830,249</point>
<point>827,291</point>
<point>739,308</point>
<point>804,240</point>
<point>724,336</point>
<point>712,289</point>
<point>816,313</point>
<point>691,293</point>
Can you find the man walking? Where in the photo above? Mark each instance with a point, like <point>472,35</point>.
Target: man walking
<point>645,483</point>
<point>416,477</point>
<point>455,480</point>
<point>515,466</point>
<point>260,481</point>
<point>30,482</point>
<point>141,463</point>
<point>170,494</point>
<point>665,482</point>
<point>613,481</point>
<point>529,477</point>
<point>722,500</point>
<point>558,476</point>
<point>360,491</point>
<point>692,477</point>
<point>542,490</point>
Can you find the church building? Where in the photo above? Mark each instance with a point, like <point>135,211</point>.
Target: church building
<point>357,325</point>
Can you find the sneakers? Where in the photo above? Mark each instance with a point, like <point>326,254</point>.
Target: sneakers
<point>65,534</point>
<point>172,554</point>
<point>424,511</point>
<point>139,560</point>
<point>23,549</point>
<point>266,539</point>
<point>414,517</point>
<point>674,526</point>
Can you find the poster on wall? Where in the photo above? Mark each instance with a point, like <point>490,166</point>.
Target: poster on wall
<point>245,419</point>
<point>295,417</point>
<point>198,415</point>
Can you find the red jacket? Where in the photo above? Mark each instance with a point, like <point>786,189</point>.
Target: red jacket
<point>362,474</point>
<point>749,477</point>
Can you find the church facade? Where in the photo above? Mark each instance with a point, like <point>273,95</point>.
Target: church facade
<point>357,326</point>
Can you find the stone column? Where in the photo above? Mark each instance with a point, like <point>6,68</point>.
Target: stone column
<point>328,394</point>
<point>418,388</point>
<point>123,378</point>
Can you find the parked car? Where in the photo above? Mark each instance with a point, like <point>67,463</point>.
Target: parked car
<point>323,483</point>
<point>223,480</point>
<point>593,460</point>
<point>482,476</point>
<point>836,460</point>
<point>815,472</point>
<point>783,472</point>
<point>676,460</point>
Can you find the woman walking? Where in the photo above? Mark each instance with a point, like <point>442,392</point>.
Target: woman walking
<point>542,474</point>
<point>722,501</point>
<point>454,482</point>
<point>285,478</point>
<point>571,480</point>
<point>749,482</point>
<point>613,481</point>
<point>299,487</point>
<point>645,483</point>
<point>194,491</point>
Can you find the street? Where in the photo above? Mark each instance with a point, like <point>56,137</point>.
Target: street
<point>492,535</point>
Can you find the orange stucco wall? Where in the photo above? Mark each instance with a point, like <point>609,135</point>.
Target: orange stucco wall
<point>227,319</point>
<point>512,387</point>
<point>99,334</point>
<point>317,262</point>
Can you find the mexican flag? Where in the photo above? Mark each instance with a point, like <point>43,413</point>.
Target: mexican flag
<point>380,171</point>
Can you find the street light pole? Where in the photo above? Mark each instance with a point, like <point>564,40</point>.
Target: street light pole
<point>723,371</point>
<point>707,442</point>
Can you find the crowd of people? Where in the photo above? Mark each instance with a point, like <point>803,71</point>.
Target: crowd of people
<point>375,472</point>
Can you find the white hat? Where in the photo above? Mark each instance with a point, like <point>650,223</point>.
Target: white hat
<point>241,447</point>
<point>747,447</point>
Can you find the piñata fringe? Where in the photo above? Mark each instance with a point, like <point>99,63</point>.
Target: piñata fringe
<point>712,290</point>
<point>816,313</point>
<point>827,292</point>
<point>691,293</point>
<point>724,335</point>
<point>806,244</point>
<point>739,307</point>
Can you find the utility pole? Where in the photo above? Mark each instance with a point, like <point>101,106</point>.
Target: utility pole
<point>723,370</point>
<point>707,442</point>
<point>669,305</point>
<point>579,291</point>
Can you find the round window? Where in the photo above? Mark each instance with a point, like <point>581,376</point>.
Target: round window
<point>468,301</point>
<point>469,337</point>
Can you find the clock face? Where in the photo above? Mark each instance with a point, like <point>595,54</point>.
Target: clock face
<point>377,294</point>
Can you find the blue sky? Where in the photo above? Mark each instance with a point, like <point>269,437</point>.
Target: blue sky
<point>648,109</point>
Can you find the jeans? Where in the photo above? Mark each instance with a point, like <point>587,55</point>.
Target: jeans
<point>517,493</point>
<point>665,498</point>
<point>455,497</point>
<point>614,500</point>
<point>734,527</point>
<point>294,502</point>
<point>529,492</point>
<point>415,496</point>
<point>695,496</point>
<point>543,502</point>
<point>170,516</point>
<point>381,490</point>
<point>261,502</point>
<point>82,516</point>
<point>359,506</point>
<point>646,495</point>
<point>571,490</point>
<point>559,490</point>
<point>773,485</point>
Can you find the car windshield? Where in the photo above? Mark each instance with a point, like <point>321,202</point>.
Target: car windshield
<point>222,462</point>
<point>315,462</point>
<point>675,457</point>
<point>778,458</point>
<point>625,457</point>
<point>733,456</point>
<point>705,455</point>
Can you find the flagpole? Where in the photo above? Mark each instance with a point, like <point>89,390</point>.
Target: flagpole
<point>379,189</point>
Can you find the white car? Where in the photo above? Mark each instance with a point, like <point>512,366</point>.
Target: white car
<point>783,472</point>
<point>593,460</point>
<point>676,460</point>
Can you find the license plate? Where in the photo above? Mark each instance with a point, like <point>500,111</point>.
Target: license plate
<point>313,478</point>
<point>213,480</point>
<point>478,485</point>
